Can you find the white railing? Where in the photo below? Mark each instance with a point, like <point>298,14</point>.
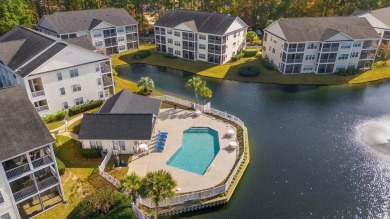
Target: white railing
<point>42,161</point>
<point>138,213</point>
<point>38,93</point>
<point>19,170</point>
<point>106,175</point>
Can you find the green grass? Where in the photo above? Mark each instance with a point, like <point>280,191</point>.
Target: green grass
<point>118,172</point>
<point>378,72</point>
<point>56,124</point>
<point>75,127</point>
<point>229,70</point>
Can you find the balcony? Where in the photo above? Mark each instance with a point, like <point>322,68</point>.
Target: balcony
<point>108,44</point>
<point>367,56</point>
<point>188,38</point>
<point>107,81</point>
<point>38,93</point>
<point>52,180</point>
<point>156,32</point>
<point>42,108</point>
<point>294,60</point>
<point>42,161</point>
<point>189,48</point>
<point>327,60</point>
<point>131,29</point>
<point>333,49</point>
<point>25,192</point>
<point>17,171</point>
<point>215,41</point>
<point>105,67</point>
<point>108,35</point>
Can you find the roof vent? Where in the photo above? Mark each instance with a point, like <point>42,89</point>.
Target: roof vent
<point>308,29</point>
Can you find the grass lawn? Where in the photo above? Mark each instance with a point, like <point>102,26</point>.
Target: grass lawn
<point>57,124</point>
<point>229,70</point>
<point>378,72</point>
<point>118,172</point>
<point>80,179</point>
<point>121,84</point>
<point>75,127</point>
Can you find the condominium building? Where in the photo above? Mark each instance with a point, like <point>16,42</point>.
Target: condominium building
<point>109,30</point>
<point>8,77</point>
<point>56,75</point>
<point>320,44</point>
<point>198,35</point>
<point>380,20</point>
<point>29,179</point>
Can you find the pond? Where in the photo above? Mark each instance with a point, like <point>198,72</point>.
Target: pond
<point>306,158</point>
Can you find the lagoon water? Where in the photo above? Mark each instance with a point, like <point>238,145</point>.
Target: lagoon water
<point>310,154</point>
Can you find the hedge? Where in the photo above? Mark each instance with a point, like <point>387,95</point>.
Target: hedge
<point>169,55</point>
<point>85,107</point>
<point>141,54</point>
<point>87,153</point>
<point>249,71</point>
<point>54,117</point>
<point>61,166</point>
<point>267,64</point>
<point>250,52</point>
<point>237,57</point>
<point>349,71</point>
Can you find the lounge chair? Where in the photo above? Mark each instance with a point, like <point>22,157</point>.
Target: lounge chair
<point>161,140</point>
<point>162,136</point>
<point>160,149</point>
<point>160,144</point>
<point>162,133</point>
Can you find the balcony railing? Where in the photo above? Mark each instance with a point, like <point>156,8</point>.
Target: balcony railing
<point>294,60</point>
<point>105,68</point>
<point>19,195</point>
<point>367,56</point>
<point>188,48</point>
<point>110,44</point>
<point>157,32</point>
<point>334,49</point>
<point>38,93</point>
<point>215,51</point>
<point>107,81</point>
<point>42,108</point>
<point>188,38</point>
<point>107,35</point>
<point>296,49</point>
<point>47,182</point>
<point>327,60</point>
<point>17,171</point>
<point>42,161</point>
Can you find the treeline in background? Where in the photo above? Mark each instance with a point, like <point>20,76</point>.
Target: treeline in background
<point>256,13</point>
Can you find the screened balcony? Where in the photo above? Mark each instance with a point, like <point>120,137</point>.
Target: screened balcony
<point>36,87</point>
<point>16,167</point>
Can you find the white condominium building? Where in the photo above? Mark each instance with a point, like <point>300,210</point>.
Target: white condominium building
<point>320,44</point>
<point>198,35</point>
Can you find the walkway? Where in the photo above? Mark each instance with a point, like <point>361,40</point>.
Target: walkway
<point>62,128</point>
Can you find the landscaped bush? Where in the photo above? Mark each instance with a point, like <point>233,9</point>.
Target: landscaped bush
<point>169,55</point>
<point>237,57</point>
<point>61,166</point>
<point>348,71</point>
<point>105,204</point>
<point>249,71</point>
<point>85,107</point>
<point>141,54</point>
<point>250,52</point>
<point>267,64</point>
<point>87,153</point>
<point>54,117</point>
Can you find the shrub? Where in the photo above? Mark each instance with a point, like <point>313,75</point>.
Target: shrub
<point>54,117</point>
<point>250,52</point>
<point>85,107</point>
<point>352,70</point>
<point>249,71</point>
<point>141,54</point>
<point>237,57</point>
<point>342,72</point>
<point>169,55</point>
<point>61,166</point>
<point>88,153</point>
<point>267,64</point>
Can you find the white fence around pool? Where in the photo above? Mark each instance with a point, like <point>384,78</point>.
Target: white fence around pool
<point>199,195</point>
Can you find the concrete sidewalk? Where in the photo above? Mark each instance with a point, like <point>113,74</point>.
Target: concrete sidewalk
<point>61,129</point>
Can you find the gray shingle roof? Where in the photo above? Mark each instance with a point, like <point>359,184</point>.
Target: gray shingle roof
<point>21,127</point>
<point>74,21</point>
<point>206,22</point>
<point>81,42</point>
<point>117,126</point>
<point>126,102</point>
<point>318,28</point>
<point>382,14</point>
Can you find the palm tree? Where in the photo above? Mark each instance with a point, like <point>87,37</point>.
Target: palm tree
<point>195,84</point>
<point>147,85</point>
<point>206,93</point>
<point>158,186</point>
<point>132,183</point>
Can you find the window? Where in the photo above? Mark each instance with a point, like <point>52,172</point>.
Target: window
<point>98,43</point>
<point>354,54</point>
<point>177,33</point>
<point>170,41</point>
<point>234,44</point>
<point>101,96</point>
<point>169,31</point>
<point>308,67</point>
<point>99,81</point>
<point>121,39</point>
<point>310,57</point>
<point>177,52</point>
<point>346,46</point>
<point>97,67</point>
<point>202,56</point>
<point>5,216</point>
<point>74,73</point>
<point>1,198</point>
<point>62,91</point>
<point>170,50</point>
<point>202,46</point>
<point>122,47</point>
<point>202,37</point>
<point>357,44</point>
<point>96,144</point>
<point>120,29</point>
<point>118,145</point>
<point>343,56</point>
<point>311,46</point>
<point>78,101</point>
<point>76,87</point>
<point>59,76</point>
<point>234,35</point>
<point>269,49</point>
<point>338,67</point>
<point>273,50</point>
<point>65,105</point>
<point>177,43</point>
<point>97,34</point>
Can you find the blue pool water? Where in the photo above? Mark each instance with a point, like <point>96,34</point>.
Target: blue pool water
<point>198,150</point>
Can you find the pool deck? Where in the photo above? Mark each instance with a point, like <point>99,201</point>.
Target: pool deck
<point>175,121</point>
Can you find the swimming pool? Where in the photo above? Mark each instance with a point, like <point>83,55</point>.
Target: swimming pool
<point>198,150</point>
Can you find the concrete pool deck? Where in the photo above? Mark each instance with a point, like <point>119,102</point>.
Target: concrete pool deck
<point>175,121</point>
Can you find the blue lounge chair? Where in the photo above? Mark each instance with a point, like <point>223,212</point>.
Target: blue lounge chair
<point>159,144</point>
<point>162,136</point>
<point>162,140</point>
<point>162,133</point>
<point>160,149</point>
